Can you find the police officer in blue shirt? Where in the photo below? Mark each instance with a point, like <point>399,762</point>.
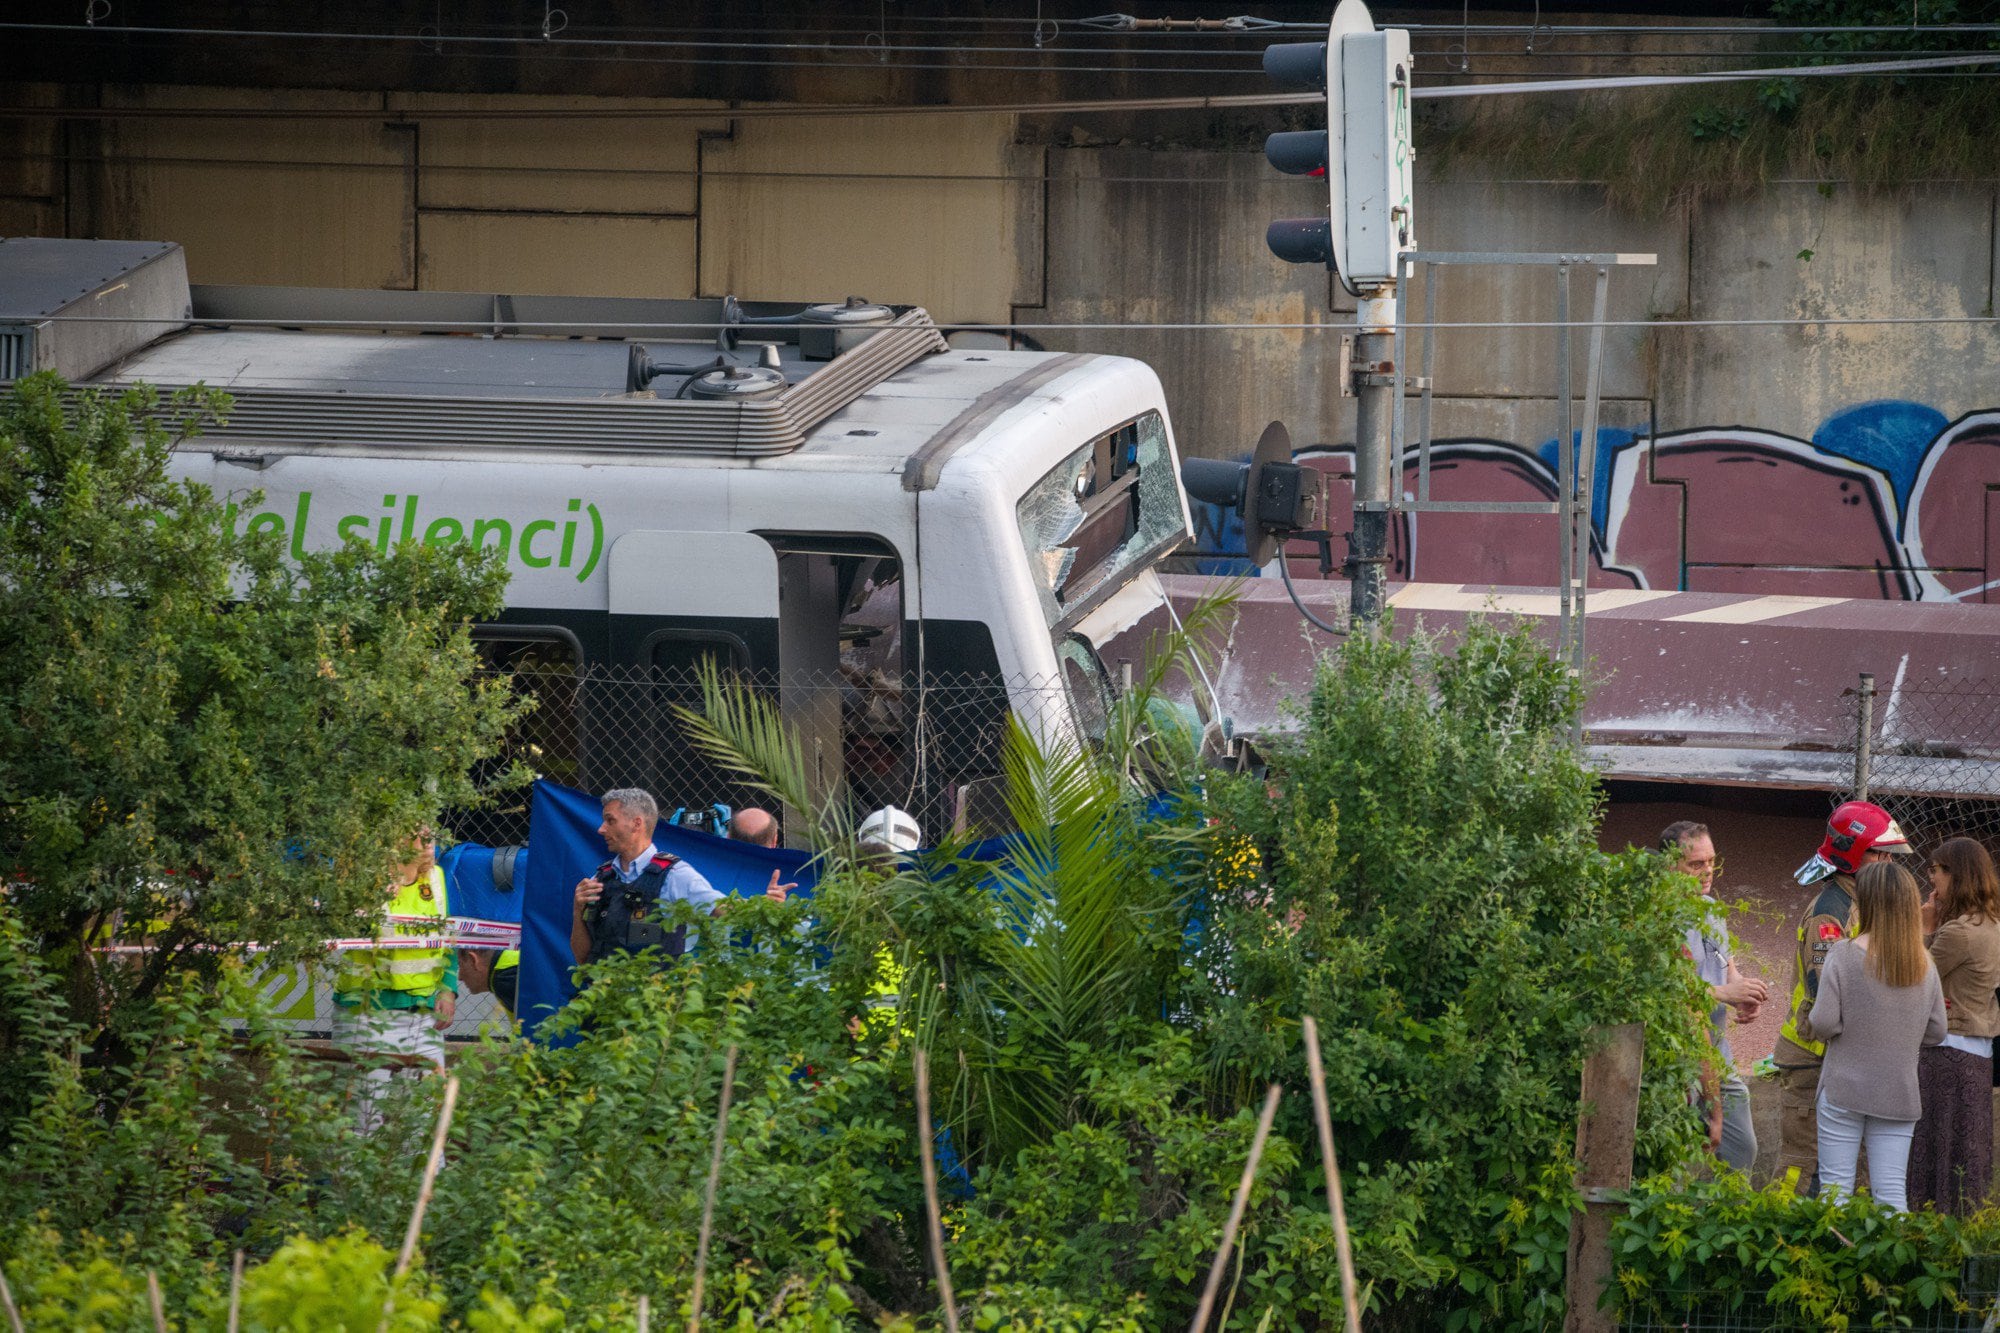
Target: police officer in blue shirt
<point>617,908</point>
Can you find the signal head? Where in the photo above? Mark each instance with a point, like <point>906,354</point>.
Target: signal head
<point>1300,65</point>
<point>1302,240</point>
<point>1298,152</point>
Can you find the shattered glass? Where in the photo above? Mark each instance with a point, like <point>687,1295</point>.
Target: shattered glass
<point>1053,513</point>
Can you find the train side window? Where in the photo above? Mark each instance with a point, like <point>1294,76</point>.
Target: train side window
<point>547,663</point>
<point>677,656</point>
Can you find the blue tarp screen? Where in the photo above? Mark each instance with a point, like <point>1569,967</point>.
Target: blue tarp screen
<point>469,891</point>
<point>562,831</point>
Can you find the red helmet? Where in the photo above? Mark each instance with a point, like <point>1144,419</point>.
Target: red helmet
<point>1853,830</point>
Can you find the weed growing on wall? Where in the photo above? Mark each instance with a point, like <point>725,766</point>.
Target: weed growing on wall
<point>1652,151</point>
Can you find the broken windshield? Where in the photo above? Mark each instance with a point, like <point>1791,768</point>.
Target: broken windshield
<point>1102,513</point>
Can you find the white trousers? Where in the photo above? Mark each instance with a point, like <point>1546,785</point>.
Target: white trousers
<point>1842,1135</point>
<point>402,1031</point>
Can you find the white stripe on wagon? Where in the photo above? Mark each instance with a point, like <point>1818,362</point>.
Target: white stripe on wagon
<point>1754,610</point>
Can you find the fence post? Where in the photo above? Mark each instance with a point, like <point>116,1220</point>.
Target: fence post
<point>1605,1132</point>
<point>1864,739</point>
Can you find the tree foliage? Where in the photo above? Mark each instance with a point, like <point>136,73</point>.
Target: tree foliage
<point>206,739</point>
<point>1424,880</point>
<point>1103,998</point>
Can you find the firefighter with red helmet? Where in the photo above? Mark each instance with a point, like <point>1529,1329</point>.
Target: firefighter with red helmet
<point>1857,833</point>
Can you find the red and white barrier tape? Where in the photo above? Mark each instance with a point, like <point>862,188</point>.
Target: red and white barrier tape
<point>460,932</point>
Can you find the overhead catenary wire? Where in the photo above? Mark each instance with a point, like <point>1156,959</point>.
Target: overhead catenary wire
<point>873,53</point>
<point>880,64</point>
<point>495,34</point>
<point>880,54</point>
<point>1072,106</point>
<point>709,175</point>
<point>1131,68</point>
<point>687,327</point>
<point>1534,76</point>
<point>1493,64</point>
<point>965,22</point>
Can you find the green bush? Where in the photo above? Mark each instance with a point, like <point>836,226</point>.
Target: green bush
<point>205,739</point>
<point>340,1283</point>
<point>1716,1250</point>
<point>1418,872</point>
<point>576,1170</point>
<point>1432,893</point>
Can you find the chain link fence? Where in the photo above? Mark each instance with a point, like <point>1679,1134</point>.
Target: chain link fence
<point>1928,752</point>
<point>865,739</point>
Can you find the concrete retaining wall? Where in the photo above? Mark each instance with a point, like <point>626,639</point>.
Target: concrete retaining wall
<point>1846,460</point>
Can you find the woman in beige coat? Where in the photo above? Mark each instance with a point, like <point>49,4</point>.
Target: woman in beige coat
<point>1951,1154</point>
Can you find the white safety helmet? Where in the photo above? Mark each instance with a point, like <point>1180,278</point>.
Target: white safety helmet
<point>891,830</point>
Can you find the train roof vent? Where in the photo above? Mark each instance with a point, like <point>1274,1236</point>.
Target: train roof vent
<point>825,331</point>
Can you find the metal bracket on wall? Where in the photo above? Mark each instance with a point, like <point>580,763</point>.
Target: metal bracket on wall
<point>1357,375</point>
<point>1576,450</point>
<point>1382,375</point>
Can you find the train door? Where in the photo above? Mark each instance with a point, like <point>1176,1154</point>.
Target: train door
<point>678,604</point>
<point>799,617</point>
<point>840,677</point>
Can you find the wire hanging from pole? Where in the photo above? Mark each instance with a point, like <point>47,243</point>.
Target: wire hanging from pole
<point>431,36</point>
<point>879,39</point>
<point>1285,573</point>
<point>1054,28</point>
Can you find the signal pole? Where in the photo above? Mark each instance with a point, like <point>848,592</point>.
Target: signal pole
<point>1377,381</point>
<point>1365,157</point>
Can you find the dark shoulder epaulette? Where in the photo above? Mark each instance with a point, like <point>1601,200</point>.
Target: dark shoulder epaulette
<point>1832,900</point>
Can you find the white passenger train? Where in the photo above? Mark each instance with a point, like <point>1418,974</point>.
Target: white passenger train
<point>668,480</point>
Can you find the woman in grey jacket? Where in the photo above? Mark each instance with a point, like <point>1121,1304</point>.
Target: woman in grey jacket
<point>1879,1004</point>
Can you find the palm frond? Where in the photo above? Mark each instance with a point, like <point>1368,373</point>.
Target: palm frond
<point>1135,734</point>
<point>741,730</point>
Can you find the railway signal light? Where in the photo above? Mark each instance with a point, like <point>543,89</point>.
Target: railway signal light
<point>1302,67</point>
<point>1277,500</point>
<point>1363,154</point>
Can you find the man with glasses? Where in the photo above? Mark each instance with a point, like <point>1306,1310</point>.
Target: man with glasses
<point>1732,1136</point>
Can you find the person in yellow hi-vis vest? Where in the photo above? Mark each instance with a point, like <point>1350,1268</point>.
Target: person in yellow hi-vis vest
<point>398,1001</point>
<point>486,973</point>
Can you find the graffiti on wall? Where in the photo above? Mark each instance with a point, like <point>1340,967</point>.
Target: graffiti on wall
<point>1885,500</point>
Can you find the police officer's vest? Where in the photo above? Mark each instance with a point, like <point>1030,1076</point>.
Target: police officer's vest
<point>1835,899</point>
<point>419,970</point>
<point>625,918</point>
